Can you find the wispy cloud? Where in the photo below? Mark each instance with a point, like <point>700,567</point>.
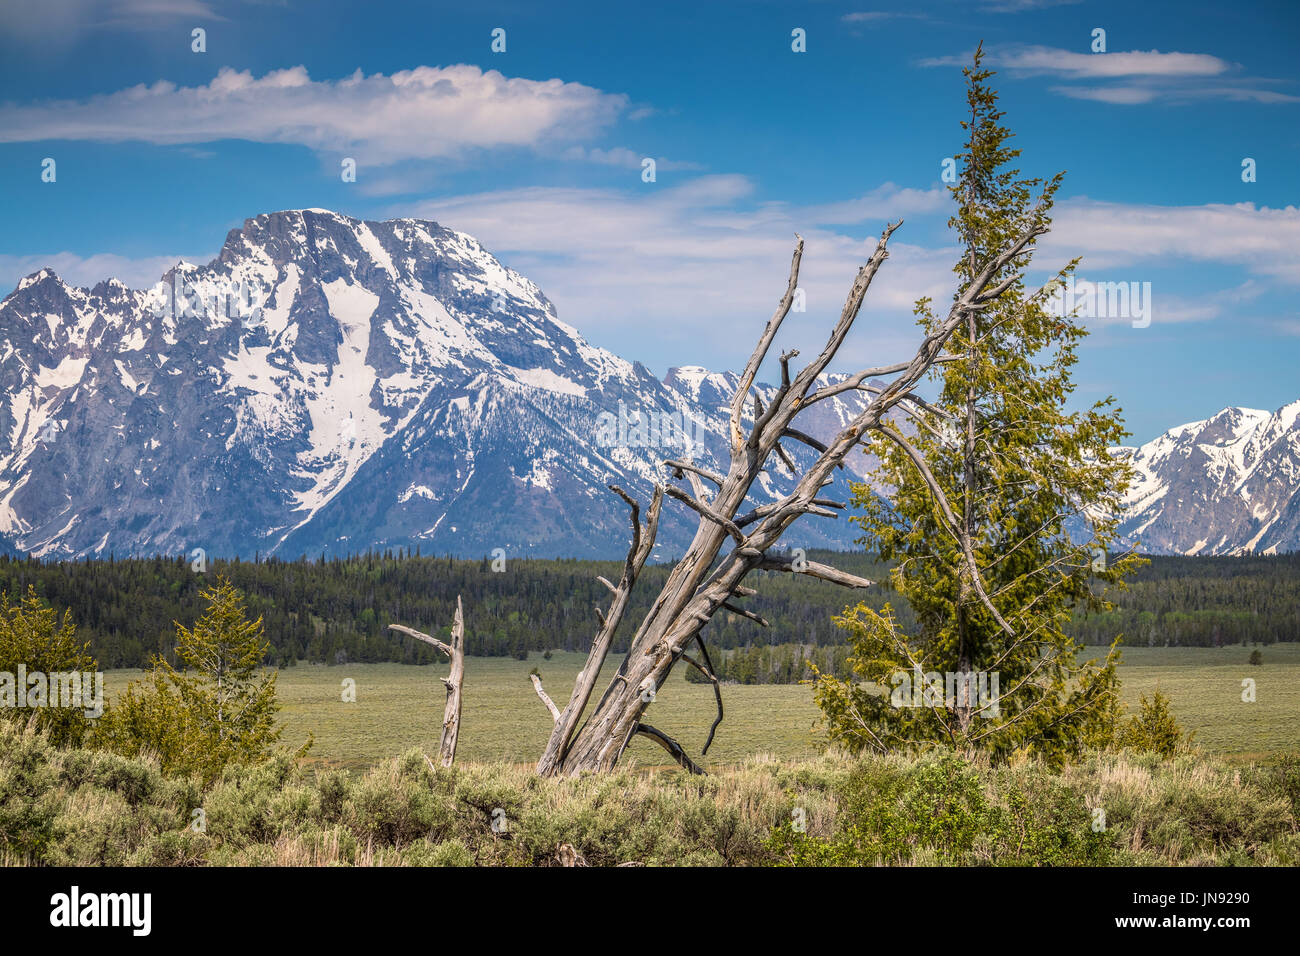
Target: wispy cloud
<point>1133,95</point>
<point>683,260</point>
<point>881,203</point>
<point>456,109</point>
<point>1043,59</point>
<point>59,22</point>
<point>1148,75</point>
<point>1263,241</point>
<point>626,158</point>
<point>1020,6</point>
<point>696,260</point>
<point>874,16</point>
<point>87,271</point>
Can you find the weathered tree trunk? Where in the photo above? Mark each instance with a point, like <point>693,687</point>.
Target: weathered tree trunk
<point>700,583</point>
<point>454,680</point>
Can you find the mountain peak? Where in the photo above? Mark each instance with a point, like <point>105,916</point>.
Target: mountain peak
<point>392,384</point>
<point>45,275</point>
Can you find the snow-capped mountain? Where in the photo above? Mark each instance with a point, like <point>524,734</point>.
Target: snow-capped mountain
<point>1225,485</point>
<point>327,385</point>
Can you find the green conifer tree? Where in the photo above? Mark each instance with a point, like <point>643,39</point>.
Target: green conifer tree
<point>216,709</point>
<point>34,642</point>
<point>1016,468</point>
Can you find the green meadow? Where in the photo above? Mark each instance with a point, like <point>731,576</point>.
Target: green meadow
<point>400,706</point>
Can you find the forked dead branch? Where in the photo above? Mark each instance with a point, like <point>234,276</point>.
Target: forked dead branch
<point>700,584</point>
<point>455,651</point>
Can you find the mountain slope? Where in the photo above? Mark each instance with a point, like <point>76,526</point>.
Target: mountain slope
<point>329,385</point>
<point>1225,485</point>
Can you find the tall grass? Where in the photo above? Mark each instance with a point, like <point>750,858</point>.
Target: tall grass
<point>86,808</point>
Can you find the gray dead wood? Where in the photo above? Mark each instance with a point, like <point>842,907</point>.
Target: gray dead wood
<point>454,680</point>
<point>707,577</point>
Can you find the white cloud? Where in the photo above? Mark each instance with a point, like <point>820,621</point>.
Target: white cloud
<point>625,158</point>
<point>87,271</point>
<point>1263,241</point>
<point>1119,95</point>
<point>1132,95</point>
<point>1019,6</point>
<point>689,273</point>
<point>1043,59</point>
<point>695,269</point>
<point>424,113</point>
<point>1165,303</point>
<point>873,16</point>
<point>881,203</point>
<point>59,23</point>
<point>1150,74</point>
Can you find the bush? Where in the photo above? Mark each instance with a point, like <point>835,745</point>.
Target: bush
<point>85,808</point>
<point>32,638</point>
<point>1153,729</point>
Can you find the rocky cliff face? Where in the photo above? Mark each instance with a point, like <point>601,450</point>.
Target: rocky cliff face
<point>328,385</point>
<point>1226,485</point>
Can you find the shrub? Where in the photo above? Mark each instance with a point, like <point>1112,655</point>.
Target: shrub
<point>1153,728</point>
<point>85,808</point>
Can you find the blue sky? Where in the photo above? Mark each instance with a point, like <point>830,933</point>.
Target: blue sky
<point>538,152</point>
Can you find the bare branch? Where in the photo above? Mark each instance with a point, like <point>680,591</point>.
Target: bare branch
<point>642,544</point>
<point>421,636</point>
<point>683,466</point>
<point>786,459</point>
<point>707,670</point>
<point>815,569</point>
<point>829,503</point>
<point>673,747</point>
<point>785,367</point>
<point>855,381</point>
<point>817,512</point>
<point>705,511</point>
<point>806,439</point>
<point>991,294</point>
<point>550,704</point>
<point>744,613</point>
<point>764,343</point>
<point>762,511</point>
<point>848,314</point>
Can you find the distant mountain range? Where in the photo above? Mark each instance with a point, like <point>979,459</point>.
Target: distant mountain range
<point>328,385</point>
<point>1227,485</point>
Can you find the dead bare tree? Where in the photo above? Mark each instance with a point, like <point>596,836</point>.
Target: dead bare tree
<point>701,583</point>
<point>455,651</point>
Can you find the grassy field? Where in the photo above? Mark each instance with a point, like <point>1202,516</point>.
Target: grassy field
<point>399,706</point>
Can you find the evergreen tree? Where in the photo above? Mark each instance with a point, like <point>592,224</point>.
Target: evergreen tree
<point>34,642</point>
<point>216,709</point>
<point>1153,728</point>
<point>1016,468</point>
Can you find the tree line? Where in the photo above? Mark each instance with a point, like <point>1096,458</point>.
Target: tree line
<point>338,610</point>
